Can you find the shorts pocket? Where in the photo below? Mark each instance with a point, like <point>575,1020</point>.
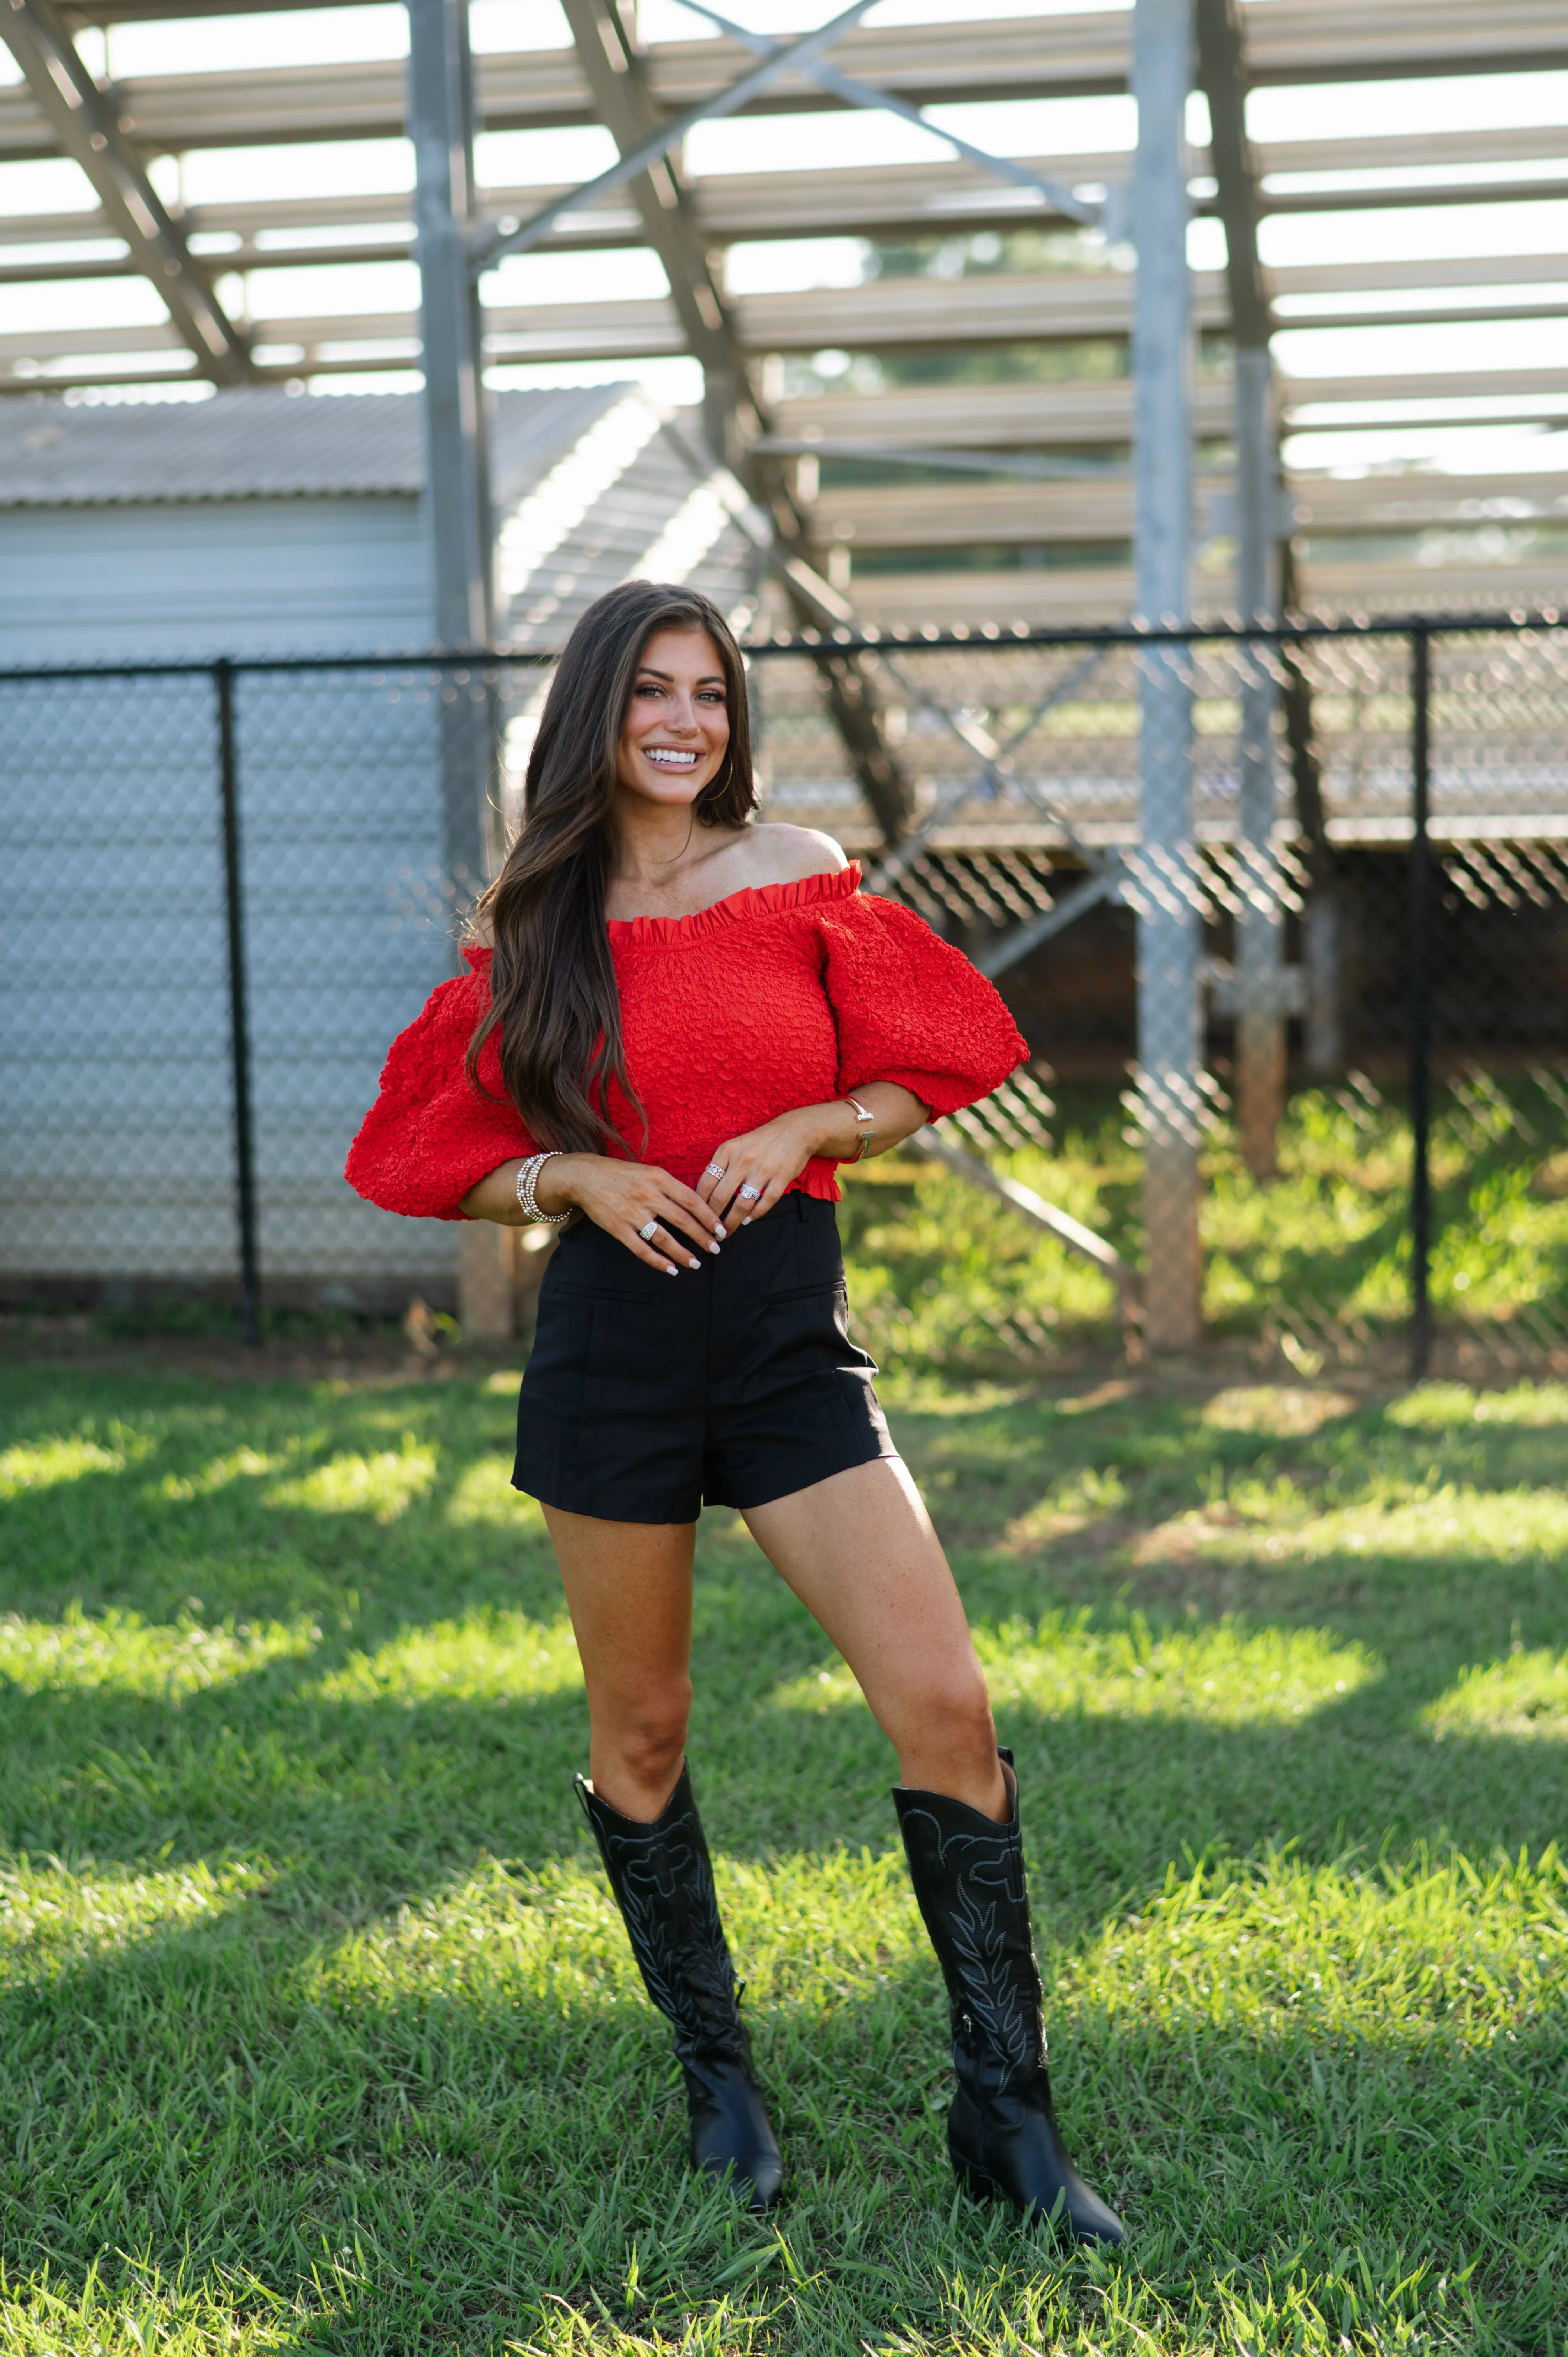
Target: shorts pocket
<point>799,1336</point>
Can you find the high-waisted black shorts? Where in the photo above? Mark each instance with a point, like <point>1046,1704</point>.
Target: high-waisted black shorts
<point>647,1396</point>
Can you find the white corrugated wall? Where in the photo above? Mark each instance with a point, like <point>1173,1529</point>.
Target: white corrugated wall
<point>115,1102</point>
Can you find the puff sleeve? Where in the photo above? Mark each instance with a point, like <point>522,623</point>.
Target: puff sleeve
<point>911,1009</point>
<point>431,1134</point>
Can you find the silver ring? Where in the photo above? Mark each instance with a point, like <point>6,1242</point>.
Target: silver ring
<point>748,1193</point>
<point>649,1232</point>
<point>715,1170</point>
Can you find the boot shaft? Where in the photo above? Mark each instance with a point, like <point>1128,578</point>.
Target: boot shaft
<point>969,1880</point>
<point>663,1884</point>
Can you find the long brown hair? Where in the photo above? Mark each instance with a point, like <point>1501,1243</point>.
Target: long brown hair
<point>552,985</point>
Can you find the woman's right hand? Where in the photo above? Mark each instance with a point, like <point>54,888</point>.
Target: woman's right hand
<point>622,1197</point>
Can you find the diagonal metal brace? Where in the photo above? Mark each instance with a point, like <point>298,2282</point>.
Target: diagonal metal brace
<point>495,241</point>
<point>1053,193</point>
<point>612,66</point>
<point>932,1147</point>
<point>85,122</point>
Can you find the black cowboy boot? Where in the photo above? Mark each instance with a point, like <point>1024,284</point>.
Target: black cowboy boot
<point>663,1885</point>
<point>1001,2131</point>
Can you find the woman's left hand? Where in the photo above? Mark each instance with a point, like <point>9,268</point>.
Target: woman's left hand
<point>747,1174</point>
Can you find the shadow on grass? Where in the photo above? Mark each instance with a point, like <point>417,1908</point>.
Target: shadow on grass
<point>463,2157</point>
<point>259,2089</point>
<point>365,1802</point>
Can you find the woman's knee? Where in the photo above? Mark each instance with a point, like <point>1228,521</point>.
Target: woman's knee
<point>950,1710</point>
<point>646,1729</point>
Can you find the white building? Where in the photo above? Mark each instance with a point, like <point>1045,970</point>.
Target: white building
<point>258,525</point>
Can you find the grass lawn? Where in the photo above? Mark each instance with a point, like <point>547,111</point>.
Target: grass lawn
<point>318,2032</point>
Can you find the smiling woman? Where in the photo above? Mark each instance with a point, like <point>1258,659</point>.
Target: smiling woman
<point>685,1022</point>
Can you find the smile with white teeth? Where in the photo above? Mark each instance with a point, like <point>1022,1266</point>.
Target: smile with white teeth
<point>669,756</point>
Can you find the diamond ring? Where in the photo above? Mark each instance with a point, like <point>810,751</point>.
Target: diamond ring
<point>648,1230</point>
<point>748,1193</point>
<point>715,1170</point>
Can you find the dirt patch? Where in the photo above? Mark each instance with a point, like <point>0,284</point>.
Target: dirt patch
<point>379,1357</point>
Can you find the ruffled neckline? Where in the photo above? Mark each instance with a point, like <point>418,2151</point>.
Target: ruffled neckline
<point>737,908</point>
<point>751,900</point>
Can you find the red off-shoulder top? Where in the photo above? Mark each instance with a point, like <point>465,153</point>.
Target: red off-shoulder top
<point>781,996</point>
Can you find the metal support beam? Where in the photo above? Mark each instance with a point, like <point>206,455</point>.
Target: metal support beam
<point>86,121</point>
<point>458,529</point>
<point>1261,1059</point>
<point>457,490</point>
<point>733,419</point>
<point>441,125</point>
<point>1170,1101</point>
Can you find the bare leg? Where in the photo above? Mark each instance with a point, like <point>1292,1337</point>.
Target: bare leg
<point>628,1590</point>
<point>859,1551</point>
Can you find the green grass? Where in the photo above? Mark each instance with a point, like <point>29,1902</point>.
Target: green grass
<point>317,2030</point>
<point>1319,1256</point>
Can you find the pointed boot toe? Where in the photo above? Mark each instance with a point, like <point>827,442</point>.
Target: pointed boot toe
<point>731,2136</point>
<point>1010,2149</point>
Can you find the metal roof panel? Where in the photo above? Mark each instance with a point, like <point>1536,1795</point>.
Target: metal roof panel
<point>255,444</point>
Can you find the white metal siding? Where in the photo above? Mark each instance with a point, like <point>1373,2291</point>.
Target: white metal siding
<point>215,578</point>
<point>115,1101</point>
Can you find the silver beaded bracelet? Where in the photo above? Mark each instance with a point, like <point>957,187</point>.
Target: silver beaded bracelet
<point>525,1195</point>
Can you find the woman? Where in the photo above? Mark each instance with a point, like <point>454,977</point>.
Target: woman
<point>685,1022</point>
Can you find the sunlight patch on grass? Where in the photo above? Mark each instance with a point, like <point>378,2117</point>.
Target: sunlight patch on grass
<point>1285,1409</point>
<point>1434,1407</point>
<point>1457,1523</point>
<point>484,1494</point>
<point>1089,1494</point>
<point>384,1485</point>
<point>51,1915</point>
<point>230,2316</point>
<point>44,1464</point>
<point>1225,1675</point>
<point>486,1657</point>
<point>1391,1951</point>
<point>1525,1694</point>
<point>238,1464</point>
<point>120,1652</point>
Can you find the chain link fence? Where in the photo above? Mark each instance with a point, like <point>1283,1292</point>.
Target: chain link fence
<point>1374,878</point>
<point>231,884</point>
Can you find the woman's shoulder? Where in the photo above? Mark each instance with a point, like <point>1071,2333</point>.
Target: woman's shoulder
<point>788,854</point>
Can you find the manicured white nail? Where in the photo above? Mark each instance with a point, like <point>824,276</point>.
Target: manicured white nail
<point>670,1269</point>
<point>719,1231</point>
<point>693,1264</point>
<point>746,1222</point>
<point>712,1248</point>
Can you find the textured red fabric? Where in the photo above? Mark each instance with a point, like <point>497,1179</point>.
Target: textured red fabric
<point>781,996</point>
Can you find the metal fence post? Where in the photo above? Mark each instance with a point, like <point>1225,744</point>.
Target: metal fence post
<point>1420,947</point>
<point>239,1012</point>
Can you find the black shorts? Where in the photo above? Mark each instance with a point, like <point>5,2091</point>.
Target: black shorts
<point>647,1396</point>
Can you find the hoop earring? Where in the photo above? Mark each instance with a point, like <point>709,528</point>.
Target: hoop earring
<point>720,786</point>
